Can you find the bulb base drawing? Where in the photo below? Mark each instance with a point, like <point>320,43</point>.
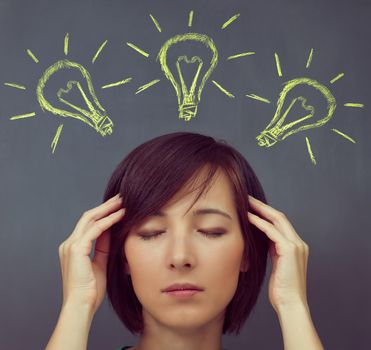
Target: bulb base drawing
<point>187,111</point>
<point>101,124</point>
<point>268,138</point>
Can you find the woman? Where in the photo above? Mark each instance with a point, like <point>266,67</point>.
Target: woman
<point>183,208</point>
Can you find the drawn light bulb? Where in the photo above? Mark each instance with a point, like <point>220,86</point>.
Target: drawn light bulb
<point>92,114</point>
<point>276,130</point>
<point>188,97</point>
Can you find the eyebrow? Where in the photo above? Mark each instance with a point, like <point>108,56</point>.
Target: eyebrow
<point>198,212</point>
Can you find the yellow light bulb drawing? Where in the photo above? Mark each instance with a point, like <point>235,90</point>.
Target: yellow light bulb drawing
<point>276,130</point>
<point>188,97</point>
<point>92,114</point>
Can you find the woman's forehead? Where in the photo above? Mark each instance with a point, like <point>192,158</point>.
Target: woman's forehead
<point>217,199</point>
<point>219,183</point>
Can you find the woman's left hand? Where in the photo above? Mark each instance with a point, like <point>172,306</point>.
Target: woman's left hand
<point>289,256</point>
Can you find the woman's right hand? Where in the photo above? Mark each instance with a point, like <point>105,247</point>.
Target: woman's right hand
<point>84,279</point>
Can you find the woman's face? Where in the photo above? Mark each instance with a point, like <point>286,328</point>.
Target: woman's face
<point>182,253</point>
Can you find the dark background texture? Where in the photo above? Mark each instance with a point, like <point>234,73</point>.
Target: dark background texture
<point>43,194</point>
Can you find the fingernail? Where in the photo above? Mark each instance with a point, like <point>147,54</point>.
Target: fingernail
<point>114,198</point>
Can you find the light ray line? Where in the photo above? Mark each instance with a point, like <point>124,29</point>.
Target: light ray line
<point>259,98</point>
<point>190,18</point>
<point>146,86</point>
<point>156,23</point>
<point>56,137</point>
<point>233,18</point>
<point>339,76</point>
<point>23,116</point>
<point>15,86</point>
<point>310,151</point>
<point>240,55</point>
<point>65,49</point>
<point>358,105</point>
<point>278,65</point>
<point>117,83</point>
<point>345,136</point>
<point>222,89</point>
<point>29,52</point>
<point>309,58</point>
<point>99,51</point>
<point>136,48</point>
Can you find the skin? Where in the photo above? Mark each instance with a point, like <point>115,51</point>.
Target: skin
<point>183,254</point>
<point>193,323</point>
<point>289,256</point>
<point>179,248</point>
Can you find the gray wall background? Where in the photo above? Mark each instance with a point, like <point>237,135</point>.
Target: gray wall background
<point>42,195</point>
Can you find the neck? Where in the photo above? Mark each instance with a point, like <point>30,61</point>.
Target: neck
<point>157,336</point>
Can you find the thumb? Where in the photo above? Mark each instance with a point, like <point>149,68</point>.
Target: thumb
<point>102,249</point>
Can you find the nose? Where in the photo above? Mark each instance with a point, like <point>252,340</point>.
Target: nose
<point>181,254</point>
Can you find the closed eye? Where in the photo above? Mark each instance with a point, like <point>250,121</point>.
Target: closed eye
<point>155,234</point>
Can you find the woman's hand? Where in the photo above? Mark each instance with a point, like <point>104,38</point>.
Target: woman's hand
<point>289,255</point>
<point>84,280</point>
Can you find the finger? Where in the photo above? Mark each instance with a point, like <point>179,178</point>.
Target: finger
<point>102,249</point>
<point>114,197</point>
<point>102,243</point>
<point>86,241</point>
<point>277,218</point>
<point>100,231</point>
<point>99,226</point>
<point>265,226</point>
<point>90,216</point>
<point>102,246</point>
<point>118,195</point>
<point>102,210</point>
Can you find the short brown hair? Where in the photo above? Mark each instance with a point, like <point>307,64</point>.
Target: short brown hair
<point>147,178</point>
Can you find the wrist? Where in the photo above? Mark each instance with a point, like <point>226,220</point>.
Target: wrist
<point>297,327</point>
<point>73,326</point>
<point>293,306</point>
<point>84,310</point>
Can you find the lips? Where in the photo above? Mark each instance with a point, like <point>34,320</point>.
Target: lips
<point>182,286</point>
<point>186,293</point>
